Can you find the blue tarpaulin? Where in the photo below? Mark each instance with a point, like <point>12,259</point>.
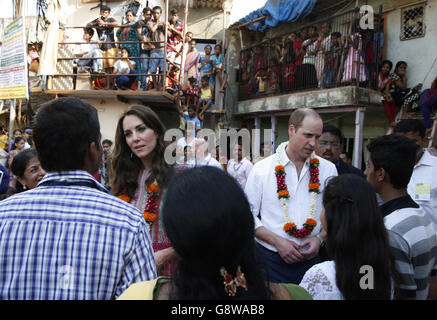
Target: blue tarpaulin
<point>278,11</point>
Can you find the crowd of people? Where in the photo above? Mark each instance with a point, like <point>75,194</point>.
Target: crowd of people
<point>300,223</point>
<point>133,54</point>
<point>309,58</point>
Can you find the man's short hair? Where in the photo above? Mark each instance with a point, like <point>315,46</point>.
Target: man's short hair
<point>157,8</point>
<point>63,130</point>
<point>89,31</point>
<point>147,9</point>
<point>174,11</point>
<point>105,8</point>
<point>396,155</point>
<point>299,115</point>
<point>411,125</point>
<point>107,141</point>
<point>347,154</point>
<point>192,107</point>
<point>334,130</point>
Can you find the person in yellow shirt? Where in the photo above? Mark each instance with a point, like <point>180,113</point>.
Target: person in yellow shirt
<point>3,138</point>
<point>205,99</point>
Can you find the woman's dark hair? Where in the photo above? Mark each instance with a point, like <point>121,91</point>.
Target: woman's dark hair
<point>357,237</point>
<point>216,230</point>
<point>398,64</point>
<point>63,130</point>
<point>387,62</point>
<point>126,168</point>
<point>192,79</point>
<point>131,11</point>
<point>16,140</point>
<point>19,164</point>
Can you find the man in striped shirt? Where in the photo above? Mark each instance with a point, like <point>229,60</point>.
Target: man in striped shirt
<point>69,239</point>
<point>411,233</point>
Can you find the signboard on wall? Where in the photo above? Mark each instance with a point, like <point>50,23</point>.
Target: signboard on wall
<point>13,62</point>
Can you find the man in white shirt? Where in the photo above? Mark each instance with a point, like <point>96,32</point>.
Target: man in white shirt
<point>240,168</point>
<point>88,50</point>
<point>203,157</point>
<point>287,256</point>
<point>423,183</point>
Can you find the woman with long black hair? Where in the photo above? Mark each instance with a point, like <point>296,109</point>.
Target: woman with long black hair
<point>211,227</point>
<point>357,243</point>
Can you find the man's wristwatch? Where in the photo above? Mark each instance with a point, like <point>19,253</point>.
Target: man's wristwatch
<point>320,238</point>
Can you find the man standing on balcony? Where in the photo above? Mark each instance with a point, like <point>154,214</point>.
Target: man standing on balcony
<point>144,35</point>
<point>285,192</point>
<point>105,30</point>
<point>157,28</point>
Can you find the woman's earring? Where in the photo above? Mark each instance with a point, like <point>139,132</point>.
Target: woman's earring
<point>131,155</point>
<point>24,187</point>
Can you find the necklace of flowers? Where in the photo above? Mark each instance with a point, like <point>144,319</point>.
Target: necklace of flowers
<point>152,206</point>
<point>283,195</point>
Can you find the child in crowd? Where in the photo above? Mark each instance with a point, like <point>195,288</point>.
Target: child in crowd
<point>205,99</point>
<point>289,74</point>
<point>206,67</point>
<point>88,50</point>
<point>332,61</point>
<point>273,76</point>
<point>191,119</point>
<point>192,93</point>
<point>217,63</point>
<point>261,81</point>
<point>124,67</point>
<point>172,80</point>
<point>384,82</point>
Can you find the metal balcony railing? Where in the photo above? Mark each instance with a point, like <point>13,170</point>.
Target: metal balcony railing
<point>327,53</point>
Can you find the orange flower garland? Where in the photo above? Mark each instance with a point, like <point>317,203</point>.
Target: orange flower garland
<point>283,194</point>
<point>152,205</point>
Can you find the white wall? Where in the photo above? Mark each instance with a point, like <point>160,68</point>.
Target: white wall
<point>419,53</point>
<point>109,111</point>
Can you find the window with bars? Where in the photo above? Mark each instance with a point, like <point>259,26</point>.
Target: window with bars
<point>412,22</point>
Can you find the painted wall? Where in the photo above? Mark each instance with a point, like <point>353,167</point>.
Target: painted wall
<point>419,53</point>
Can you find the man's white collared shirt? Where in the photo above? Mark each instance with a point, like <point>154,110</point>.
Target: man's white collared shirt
<point>423,185</point>
<point>261,191</point>
<point>210,161</point>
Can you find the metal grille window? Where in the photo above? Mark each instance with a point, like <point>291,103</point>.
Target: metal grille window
<point>412,24</point>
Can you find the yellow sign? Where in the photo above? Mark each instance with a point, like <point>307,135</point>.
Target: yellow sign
<point>13,62</point>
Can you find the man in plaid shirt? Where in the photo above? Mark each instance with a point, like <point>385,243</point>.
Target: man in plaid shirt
<point>69,239</point>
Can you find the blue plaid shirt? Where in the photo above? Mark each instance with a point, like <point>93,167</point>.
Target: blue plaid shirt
<point>70,239</point>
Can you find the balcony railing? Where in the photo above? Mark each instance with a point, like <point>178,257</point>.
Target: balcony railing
<point>327,53</point>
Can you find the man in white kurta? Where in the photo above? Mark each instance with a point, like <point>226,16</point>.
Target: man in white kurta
<point>288,258</point>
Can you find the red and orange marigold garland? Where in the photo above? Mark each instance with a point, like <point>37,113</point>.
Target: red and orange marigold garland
<point>284,195</point>
<point>152,203</point>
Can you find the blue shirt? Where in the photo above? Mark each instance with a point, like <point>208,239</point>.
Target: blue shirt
<point>4,179</point>
<point>195,121</point>
<point>69,239</point>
